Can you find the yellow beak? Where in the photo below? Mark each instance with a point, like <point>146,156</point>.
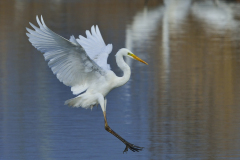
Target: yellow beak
<point>137,58</point>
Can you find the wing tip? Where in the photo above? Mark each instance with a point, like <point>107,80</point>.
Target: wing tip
<point>37,18</point>
<point>31,24</point>
<point>28,35</point>
<point>97,28</point>
<point>27,29</point>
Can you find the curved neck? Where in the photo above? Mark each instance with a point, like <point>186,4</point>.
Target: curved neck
<point>125,68</point>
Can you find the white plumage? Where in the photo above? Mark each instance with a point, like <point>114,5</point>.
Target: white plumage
<point>79,63</point>
<point>95,47</point>
<point>82,65</point>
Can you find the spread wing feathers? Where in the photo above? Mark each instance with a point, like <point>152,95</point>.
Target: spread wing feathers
<point>67,59</point>
<point>95,47</point>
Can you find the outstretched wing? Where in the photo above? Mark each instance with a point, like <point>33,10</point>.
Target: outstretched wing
<point>68,60</point>
<point>95,47</point>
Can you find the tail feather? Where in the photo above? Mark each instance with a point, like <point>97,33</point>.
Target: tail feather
<point>84,101</point>
<point>74,102</point>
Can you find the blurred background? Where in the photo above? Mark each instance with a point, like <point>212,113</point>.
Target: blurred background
<point>184,105</point>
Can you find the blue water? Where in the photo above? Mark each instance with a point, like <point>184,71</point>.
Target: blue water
<point>184,105</point>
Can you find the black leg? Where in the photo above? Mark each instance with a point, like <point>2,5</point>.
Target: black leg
<point>130,146</point>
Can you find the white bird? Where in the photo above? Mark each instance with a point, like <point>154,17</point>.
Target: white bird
<point>82,65</point>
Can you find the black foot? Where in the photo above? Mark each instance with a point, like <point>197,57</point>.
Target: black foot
<point>132,147</point>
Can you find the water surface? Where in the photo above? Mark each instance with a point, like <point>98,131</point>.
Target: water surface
<point>184,105</point>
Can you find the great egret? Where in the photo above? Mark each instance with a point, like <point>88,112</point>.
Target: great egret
<point>82,65</point>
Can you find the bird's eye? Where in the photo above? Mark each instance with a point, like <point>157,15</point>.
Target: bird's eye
<point>129,54</point>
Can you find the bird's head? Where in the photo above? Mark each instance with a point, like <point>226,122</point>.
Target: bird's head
<point>128,53</point>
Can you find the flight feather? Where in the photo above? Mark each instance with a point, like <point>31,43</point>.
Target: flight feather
<point>67,59</point>
<point>95,47</point>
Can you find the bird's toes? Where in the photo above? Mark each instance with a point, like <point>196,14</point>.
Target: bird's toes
<point>133,148</point>
<point>126,149</point>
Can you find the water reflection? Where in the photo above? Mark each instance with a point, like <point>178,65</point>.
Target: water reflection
<point>194,82</point>
<point>184,105</point>
<point>217,15</point>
